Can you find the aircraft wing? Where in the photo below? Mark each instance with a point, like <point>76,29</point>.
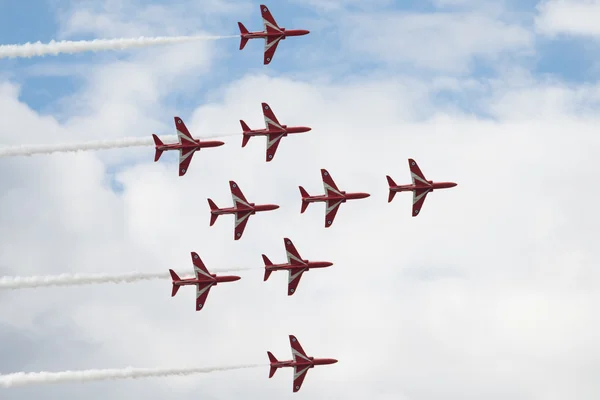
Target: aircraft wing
<point>331,211</point>
<point>268,20</point>
<point>299,375</point>
<point>271,122</point>
<point>183,134</point>
<point>298,352</point>
<point>202,290</point>
<point>185,158</point>
<point>294,280</point>
<point>273,140</point>
<point>239,200</point>
<point>293,256</point>
<point>271,43</point>
<point>415,172</point>
<point>419,196</point>
<point>299,355</point>
<point>241,219</point>
<point>331,188</point>
<point>200,270</point>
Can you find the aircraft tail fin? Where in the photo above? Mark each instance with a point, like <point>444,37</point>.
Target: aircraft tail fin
<point>213,216</point>
<point>304,195</point>
<point>268,263</point>
<point>272,360</point>
<point>245,128</point>
<point>175,278</point>
<point>243,31</point>
<point>157,143</point>
<point>391,184</point>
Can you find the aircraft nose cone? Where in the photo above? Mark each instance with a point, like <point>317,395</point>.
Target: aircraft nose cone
<point>235,278</point>
<point>219,143</point>
<point>327,264</point>
<point>275,206</point>
<point>454,184</point>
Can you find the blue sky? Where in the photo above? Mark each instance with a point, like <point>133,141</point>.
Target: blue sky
<point>568,58</point>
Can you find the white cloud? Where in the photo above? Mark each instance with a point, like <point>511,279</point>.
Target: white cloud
<point>337,5</point>
<point>570,17</point>
<point>439,41</point>
<point>504,288</point>
<point>133,18</point>
<point>490,293</point>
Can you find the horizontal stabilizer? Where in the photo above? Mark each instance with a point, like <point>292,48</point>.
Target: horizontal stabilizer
<point>391,196</point>
<point>175,278</point>
<point>266,260</point>
<point>303,192</point>
<point>212,205</point>
<point>174,275</point>
<point>213,216</point>
<point>304,206</point>
<point>245,138</point>
<point>157,143</point>
<point>268,263</point>
<point>243,31</point>
<point>272,360</point>
<point>391,184</point>
<point>304,195</point>
<point>390,181</point>
<point>245,126</point>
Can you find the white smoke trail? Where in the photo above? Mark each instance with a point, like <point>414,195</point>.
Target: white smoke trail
<point>24,282</point>
<point>54,48</point>
<point>29,150</point>
<point>31,378</point>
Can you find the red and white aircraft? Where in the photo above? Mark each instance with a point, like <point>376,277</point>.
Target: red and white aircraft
<point>420,187</point>
<point>187,146</point>
<point>272,34</point>
<point>295,265</point>
<point>274,131</point>
<point>242,209</point>
<point>301,363</point>
<point>204,280</point>
<point>333,197</point>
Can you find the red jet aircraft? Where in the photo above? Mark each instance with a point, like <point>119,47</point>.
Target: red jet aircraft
<point>204,280</point>
<point>274,131</point>
<point>272,34</point>
<point>187,146</point>
<point>241,208</point>
<point>301,363</point>
<point>333,198</point>
<point>295,265</point>
<point>420,187</point>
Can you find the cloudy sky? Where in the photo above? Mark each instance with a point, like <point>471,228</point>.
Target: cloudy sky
<point>490,293</point>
